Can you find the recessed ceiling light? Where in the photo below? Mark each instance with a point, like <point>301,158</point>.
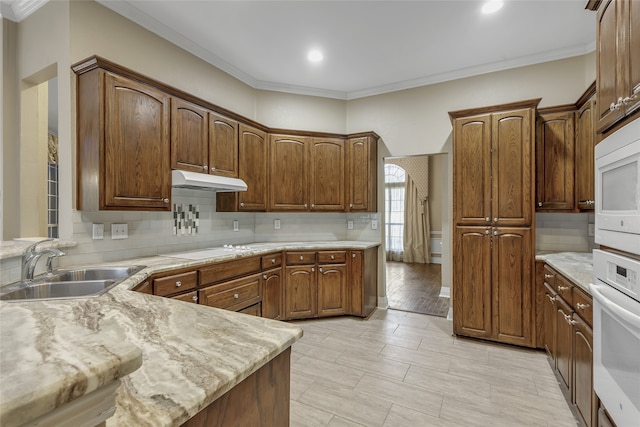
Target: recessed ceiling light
<point>315,55</point>
<point>492,6</point>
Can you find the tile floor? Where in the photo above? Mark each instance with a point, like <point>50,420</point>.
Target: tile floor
<point>416,288</point>
<point>405,369</point>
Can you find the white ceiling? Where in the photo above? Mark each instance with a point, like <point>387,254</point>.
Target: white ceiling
<point>370,47</point>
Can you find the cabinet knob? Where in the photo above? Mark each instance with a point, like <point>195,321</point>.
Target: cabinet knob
<point>320,269</point>
<point>539,204</point>
<point>313,205</point>
<point>562,288</point>
<point>333,257</point>
<point>305,205</point>
<point>486,231</point>
<point>236,296</point>
<point>581,306</point>
<point>178,284</point>
<point>495,219</point>
<point>313,269</point>
<point>264,276</point>
<point>213,168</point>
<point>353,255</point>
<point>350,205</point>
<point>166,200</point>
<point>242,205</point>
<point>273,261</point>
<point>194,298</point>
<point>495,232</point>
<point>487,219</point>
<point>205,167</point>
<point>301,257</point>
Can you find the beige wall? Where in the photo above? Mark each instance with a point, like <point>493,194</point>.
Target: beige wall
<point>415,121</point>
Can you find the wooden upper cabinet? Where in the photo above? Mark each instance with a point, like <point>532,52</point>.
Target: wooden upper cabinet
<point>362,155</point>
<point>327,174</point>
<point>472,179</point>
<point>555,145</point>
<point>252,168</point>
<point>136,173</point>
<point>223,146</point>
<point>189,136</point>
<point>289,188</point>
<point>493,169</point>
<point>617,61</point>
<point>585,146</point>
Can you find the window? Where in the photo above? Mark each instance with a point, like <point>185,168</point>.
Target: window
<point>52,188</point>
<point>394,186</point>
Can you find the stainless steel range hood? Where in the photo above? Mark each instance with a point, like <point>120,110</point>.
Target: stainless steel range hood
<point>202,181</point>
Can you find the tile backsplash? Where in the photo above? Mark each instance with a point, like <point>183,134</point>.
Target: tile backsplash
<point>152,233</point>
<point>564,232</point>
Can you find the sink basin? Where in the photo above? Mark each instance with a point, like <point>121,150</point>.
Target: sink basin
<point>76,283</point>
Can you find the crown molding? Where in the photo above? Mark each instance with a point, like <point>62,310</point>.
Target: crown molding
<point>18,10</point>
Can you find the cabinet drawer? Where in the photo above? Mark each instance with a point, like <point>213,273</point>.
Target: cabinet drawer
<point>550,276</point>
<point>272,260</point>
<point>332,257</point>
<point>176,283</point>
<point>188,297</point>
<point>228,270</point>
<point>583,306</point>
<point>233,295</point>
<point>564,289</point>
<point>300,258</point>
<point>253,310</point>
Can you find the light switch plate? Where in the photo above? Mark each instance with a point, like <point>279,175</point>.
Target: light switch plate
<point>374,224</point>
<point>236,225</point>
<point>592,230</point>
<point>350,224</point>
<point>119,231</point>
<point>98,232</point>
<point>276,224</point>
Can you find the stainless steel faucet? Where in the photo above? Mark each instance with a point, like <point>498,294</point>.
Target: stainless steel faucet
<point>30,258</point>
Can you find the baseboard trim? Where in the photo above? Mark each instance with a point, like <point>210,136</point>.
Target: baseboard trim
<point>445,292</point>
<point>383,302</point>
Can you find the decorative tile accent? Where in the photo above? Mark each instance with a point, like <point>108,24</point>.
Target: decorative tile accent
<point>186,219</point>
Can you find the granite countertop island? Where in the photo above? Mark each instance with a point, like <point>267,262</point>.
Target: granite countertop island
<point>173,358</point>
<point>575,266</point>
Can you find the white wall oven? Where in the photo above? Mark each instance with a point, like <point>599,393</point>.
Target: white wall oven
<point>616,277</point>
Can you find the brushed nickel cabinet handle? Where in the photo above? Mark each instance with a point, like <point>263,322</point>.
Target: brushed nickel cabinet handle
<point>552,299</point>
<point>548,276</point>
<point>178,284</point>
<point>581,306</point>
<point>563,288</point>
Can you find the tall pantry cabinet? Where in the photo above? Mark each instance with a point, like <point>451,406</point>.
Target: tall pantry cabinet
<point>493,209</point>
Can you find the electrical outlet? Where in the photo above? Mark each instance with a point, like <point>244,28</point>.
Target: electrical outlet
<point>276,224</point>
<point>591,230</point>
<point>374,224</point>
<point>236,225</point>
<point>350,224</point>
<point>119,231</point>
<point>98,232</point>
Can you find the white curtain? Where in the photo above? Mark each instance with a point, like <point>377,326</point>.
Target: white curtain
<point>416,225</point>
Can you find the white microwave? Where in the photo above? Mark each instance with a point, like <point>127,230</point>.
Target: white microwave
<point>617,176</point>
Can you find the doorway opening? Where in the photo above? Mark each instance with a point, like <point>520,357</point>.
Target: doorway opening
<point>416,225</point>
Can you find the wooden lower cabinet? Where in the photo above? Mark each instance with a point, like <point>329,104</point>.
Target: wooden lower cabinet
<point>253,310</point>
<point>568,341</point>
<point>233,295</point>
<point>272,294</point>
<point>332,290</point>
<point>300,292</point>
<point>259,400</point>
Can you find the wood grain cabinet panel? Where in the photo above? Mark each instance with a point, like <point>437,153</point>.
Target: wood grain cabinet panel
<point>233,295</point>
<point>550,322</point>
<point>583,395</point>
<point>289,163</point>
<point>252,169</point>
<point>301,292</point>
<point>223,146</point>
<point>332,289</point>
<point>585,146</point>
<point>555,151</point>
<point>175,283</point>
<point>191,297</point>
<point>617,62</point>
<point>124,154</point>
<point>272,292</point>
<point>327,175</point>
<point>189,136</point>
<point>564,342</point>
<point>362,172</point>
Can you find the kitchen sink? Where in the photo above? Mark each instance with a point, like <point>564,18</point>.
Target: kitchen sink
<point>67,283</point>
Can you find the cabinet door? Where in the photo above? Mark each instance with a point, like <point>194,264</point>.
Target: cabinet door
<point>362,174</point>
<point>252,168</point>
<point>327,174</point>
<point>356,282</point>
<point>300,293</point>
<point>633,55</point>
<point>136,172</point>
<point>512,166</point>
<point>555,144</point>
<point>472,282</point>
<point>609,70</point>
<point>512,285</point>
<point>472,170</point>
<point>585,146</point>
<point>272,293</point>
<point>583,394</point>
<point>189,138</point>
<point>564,341</point>
<point>223,146</point>
<point>550,322</point>
<point>289,173</point>
<point>332,290</point>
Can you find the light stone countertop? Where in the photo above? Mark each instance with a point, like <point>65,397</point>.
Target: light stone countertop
<point>575,266</point>
<point>55,351</point>
<point>15,248</point>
